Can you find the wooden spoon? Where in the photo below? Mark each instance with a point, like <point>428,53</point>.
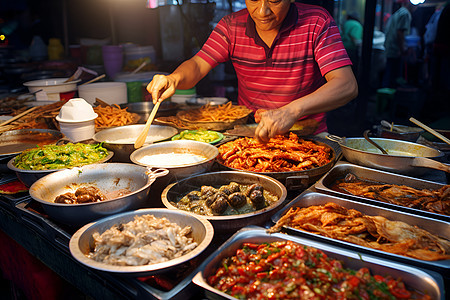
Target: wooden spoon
<point>366,136</point>
<point>143,135</point>
<point>432,131</point>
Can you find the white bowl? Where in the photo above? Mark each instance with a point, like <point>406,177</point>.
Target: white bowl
<point>109,92</point>
<point>53,87</point>
<point>76,110</point>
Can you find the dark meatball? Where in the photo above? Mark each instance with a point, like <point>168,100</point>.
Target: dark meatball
<point>237,200</point>
<point>220,205</point>
<point>254,187</point>
<point>193,196</point>
<point>257,199</point>
<point>231,188</point>
<point>207,191</point>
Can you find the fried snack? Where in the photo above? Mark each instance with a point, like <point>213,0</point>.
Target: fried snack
<point>280,154</point>
<point>376,232</point>
<point>218,113</point>
<point>112,116</point>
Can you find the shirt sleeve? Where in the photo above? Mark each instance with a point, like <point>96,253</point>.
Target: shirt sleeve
<point>216,49</point>
<point>329,50</point>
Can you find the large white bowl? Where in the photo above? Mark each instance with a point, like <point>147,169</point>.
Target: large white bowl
<point>109,92</point>
<point>53,87</point>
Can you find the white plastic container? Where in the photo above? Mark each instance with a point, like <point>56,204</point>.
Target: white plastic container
<point>136,55</point>
<point>76,120</point>
<point>53,89</point>
<point>109,92</point>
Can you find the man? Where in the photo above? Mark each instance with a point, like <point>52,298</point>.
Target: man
<point>289,60</point>
<point>399,25</point>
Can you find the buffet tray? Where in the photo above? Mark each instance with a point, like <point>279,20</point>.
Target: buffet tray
<point>161,287</point>
<point>340,170</point>
<point>437,227</point>
<point>421,280</point>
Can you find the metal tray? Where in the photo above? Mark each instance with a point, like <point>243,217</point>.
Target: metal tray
<point>340,170</point>
<point>421,280</point>
<point>437,227</point>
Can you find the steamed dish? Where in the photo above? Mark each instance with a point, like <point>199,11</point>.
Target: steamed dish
<point>145,240</point>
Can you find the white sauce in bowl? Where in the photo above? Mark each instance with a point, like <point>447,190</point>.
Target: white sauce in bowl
<point>171,159</point>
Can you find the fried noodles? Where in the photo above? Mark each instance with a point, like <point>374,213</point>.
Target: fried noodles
<point>215,113</point>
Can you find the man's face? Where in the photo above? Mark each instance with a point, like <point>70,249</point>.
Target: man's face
<point>268,14</point>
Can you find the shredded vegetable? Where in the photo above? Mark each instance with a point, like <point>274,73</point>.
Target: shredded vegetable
<point>51,157</point>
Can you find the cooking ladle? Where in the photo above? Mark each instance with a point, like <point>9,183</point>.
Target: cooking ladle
<point>143,135</point>
<point>366,136</point>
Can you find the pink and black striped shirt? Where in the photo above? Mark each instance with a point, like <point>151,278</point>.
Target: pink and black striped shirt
<point>307,47</point>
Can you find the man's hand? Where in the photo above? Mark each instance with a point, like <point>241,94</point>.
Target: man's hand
<point>161,87</point>
<point>273,122</point>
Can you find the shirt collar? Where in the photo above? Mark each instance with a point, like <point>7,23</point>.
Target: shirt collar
<point>288,23</point>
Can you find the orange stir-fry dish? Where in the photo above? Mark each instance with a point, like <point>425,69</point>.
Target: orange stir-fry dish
<point>280,154</point>
<point>376,232</point>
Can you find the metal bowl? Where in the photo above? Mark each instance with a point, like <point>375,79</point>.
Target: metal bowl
<point>143,109</point>
<point>82,242</point>
<point>180,146</point>
<point>410,134</point>
<point>122,150</point>
<point>175,191</point>
<point>108,177</point>
<point>28,177</point>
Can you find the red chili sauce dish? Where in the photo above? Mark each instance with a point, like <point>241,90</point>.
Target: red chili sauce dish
<point>286,270</point>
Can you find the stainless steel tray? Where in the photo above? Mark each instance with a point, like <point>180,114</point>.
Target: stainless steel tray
<point>340,170</point>
<point>421,280</point>
<point>437,227</point>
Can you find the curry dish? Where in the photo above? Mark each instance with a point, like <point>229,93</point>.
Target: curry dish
<point>231,199</point>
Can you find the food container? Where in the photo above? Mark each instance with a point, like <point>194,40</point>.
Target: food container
<point>340,170</point>
<point>109,92</point>
<point>82,242</point>
<point>28,177</point>
<point>410,134</point>
<point>109,177</point>
<point>177,172</point>
<point>53,89</point>
<point>76,120</point>
<point>407,158</point>
<point>436,227</point>
<point>414,278</point>
<point>296,180</point>
<point>121,139</point>
<point>175,191</point>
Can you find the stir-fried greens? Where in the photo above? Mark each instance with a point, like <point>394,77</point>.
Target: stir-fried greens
<point>51,157</point>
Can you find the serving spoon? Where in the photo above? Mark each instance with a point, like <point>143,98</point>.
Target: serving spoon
<point>143,135</point>
<point>366,136</point>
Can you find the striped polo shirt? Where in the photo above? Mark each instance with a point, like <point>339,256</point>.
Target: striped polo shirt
<point>307,46</point>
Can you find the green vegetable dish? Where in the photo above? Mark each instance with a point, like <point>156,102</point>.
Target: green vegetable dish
<point>50,157</point>
<point>206,136</point>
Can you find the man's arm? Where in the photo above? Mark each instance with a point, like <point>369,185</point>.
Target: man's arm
<point>340,88</point>
<point>187,75</point>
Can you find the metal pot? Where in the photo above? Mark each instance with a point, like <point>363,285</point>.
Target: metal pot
<point>28,177</point>
<point>180,146</point>
<point>407,158</point>
<point>143,109</point>
<point>122,150</point>
<point>175,191</point>
<point>82,241</point>
<point>107,177</point>
<point>296,180</point>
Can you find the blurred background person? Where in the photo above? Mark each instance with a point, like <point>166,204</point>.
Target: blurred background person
<point>352,33</point>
